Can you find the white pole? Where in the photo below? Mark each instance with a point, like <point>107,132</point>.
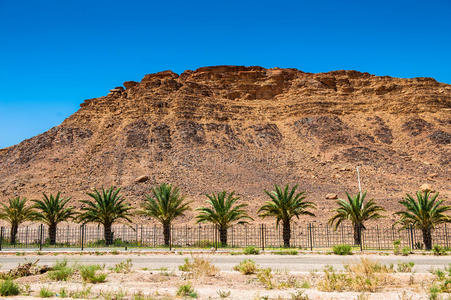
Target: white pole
<point>358,179</point>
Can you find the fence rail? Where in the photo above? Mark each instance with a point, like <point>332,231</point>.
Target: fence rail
<point>309,236</point>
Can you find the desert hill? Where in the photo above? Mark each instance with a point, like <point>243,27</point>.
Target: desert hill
<point>244,129</point>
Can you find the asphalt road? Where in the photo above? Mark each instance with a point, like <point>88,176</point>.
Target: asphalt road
<point>298,263</point>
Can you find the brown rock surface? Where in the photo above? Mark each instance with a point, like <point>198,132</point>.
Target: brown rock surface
<point>244,129</point>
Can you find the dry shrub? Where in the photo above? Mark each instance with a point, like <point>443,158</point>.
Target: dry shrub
<point>199,267</point>
<point>246,267</point>
<point>365,276</point>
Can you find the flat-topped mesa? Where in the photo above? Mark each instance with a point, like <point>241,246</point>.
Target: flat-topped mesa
<point>254,82</point>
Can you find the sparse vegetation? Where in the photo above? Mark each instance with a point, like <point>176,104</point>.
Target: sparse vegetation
<point>405,267</point>
<point>286,252</point>
<point>265,277</point>
<point>9,288</point>
<point>89,273</point>
<point>438,250</point>
<point>60,271</point>
<point>299,295</point>
<point>62,293</point>
<point>251,250</point>
<point>342,249</point>
<point>406,251</point>
<point>396,247</point>
<point>186,290</point>
<point>123,267</point>
<point>81,294</point>
<point>365,276</point>
<point>442,281</point>
<point>44,292</point>
<point>223,294</point>
<point>246,267</point>
<point>199,267</point>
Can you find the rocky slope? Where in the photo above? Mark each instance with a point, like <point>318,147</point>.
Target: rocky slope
<point>244,129</point>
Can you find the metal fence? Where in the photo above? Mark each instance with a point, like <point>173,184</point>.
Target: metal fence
<point>308,236</point>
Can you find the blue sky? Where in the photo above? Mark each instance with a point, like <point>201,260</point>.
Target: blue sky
<point>55,54</point>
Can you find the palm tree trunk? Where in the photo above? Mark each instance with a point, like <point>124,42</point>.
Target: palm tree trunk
<point>167,233</point>
<point>223,236</point>
<point>13,233</point>
<point>357,234</point>
<point>52,234</point>
<point>286,233</point>
<point>427,238</point>
<point>108,234</point>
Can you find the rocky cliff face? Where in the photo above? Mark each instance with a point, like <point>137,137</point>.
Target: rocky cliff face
<point>244,129</point>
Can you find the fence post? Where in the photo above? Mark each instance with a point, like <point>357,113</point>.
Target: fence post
<point>141,236</point>
<point>82,234</point>
<point>198,235</point>
<point>154,235</point>
<point>342,235</point>
<point>245,235</point>
<point>310,236</point>
<point>170,238</point>
<point>327,236</point>
<point>411,237</point>
<point>263,236</point>
<point>232,234</point>
<point>361,240</point>
<point>1,238</point>
<point>446,237</point>
<point>378,240</point>
<point>40,236</point>
<point>216,237</point>
<point>26,237</point>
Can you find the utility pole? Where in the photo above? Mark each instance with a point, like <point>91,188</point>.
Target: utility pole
<point>358,180</point>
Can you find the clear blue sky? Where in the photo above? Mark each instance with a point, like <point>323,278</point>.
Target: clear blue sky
<point>55,54</point>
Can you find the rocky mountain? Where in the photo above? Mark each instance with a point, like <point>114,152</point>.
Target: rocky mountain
<point>244,129</point>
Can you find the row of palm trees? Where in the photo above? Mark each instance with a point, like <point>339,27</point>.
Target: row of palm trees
<point>165,203</point>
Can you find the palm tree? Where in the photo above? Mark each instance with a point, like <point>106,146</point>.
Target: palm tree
<point>52,210</point>
<point>223,213</point>
<point>16,212</point>
<point>424,213</point>
<point>105,208</point>
<point>284,205</point>
<point>165,204</point>
<point>355,210</point>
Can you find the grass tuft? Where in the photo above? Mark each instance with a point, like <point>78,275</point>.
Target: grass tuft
<point>89,273</point>
<point>342,249</point>
<point>46,293</point>
<point>246,267</point>
<point>251,250</point>
<point>186,290</point>
<point>123,267</point>
<point>9,288</point>
<point>61,271</point>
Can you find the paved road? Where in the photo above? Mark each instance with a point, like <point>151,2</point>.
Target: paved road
<point>299,263</point>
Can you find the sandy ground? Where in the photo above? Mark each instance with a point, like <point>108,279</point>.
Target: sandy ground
<point>158,277</point>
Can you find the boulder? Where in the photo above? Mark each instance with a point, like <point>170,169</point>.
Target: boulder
<point>142,178</point>
<point>426,187</point>
<point>130,84</point>
<point>331,196</point>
